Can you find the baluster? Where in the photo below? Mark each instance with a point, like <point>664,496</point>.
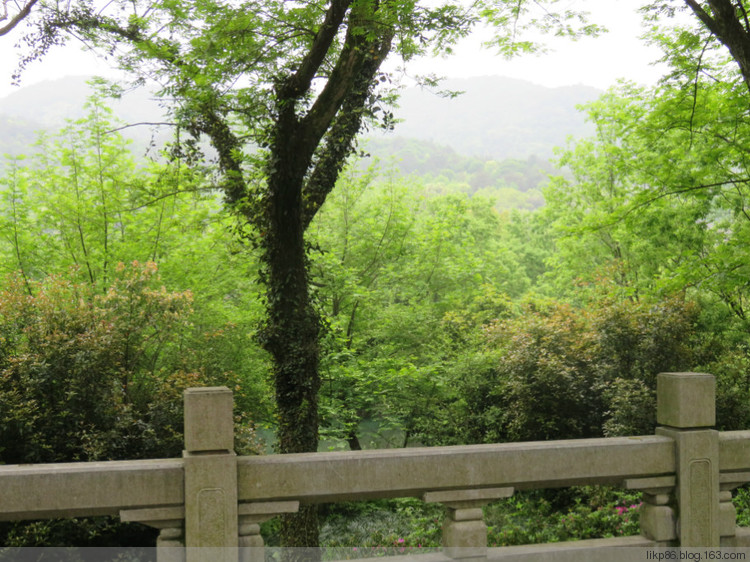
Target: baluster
<point>727,511</point>
<point>658,519</point>
<point>169,520</point>
<point>464,529</point>
<point>251,515</point>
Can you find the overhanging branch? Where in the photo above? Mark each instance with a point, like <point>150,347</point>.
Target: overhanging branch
<point>299,82</point>
<point>677,191</point>
<point>340,139</point>
<point>18,18</point>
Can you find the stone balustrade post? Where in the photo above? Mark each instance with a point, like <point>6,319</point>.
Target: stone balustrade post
<point>658,518</point>
<point>464,529</point>
<point>211,518</point>
<point>686,414</point>
<point>169,520</point>
<point>251,515</point>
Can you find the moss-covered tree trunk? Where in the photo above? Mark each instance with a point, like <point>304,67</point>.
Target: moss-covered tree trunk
<point>292,325</point>
<point>307,151</point>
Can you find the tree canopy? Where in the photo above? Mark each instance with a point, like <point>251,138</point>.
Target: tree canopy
<point>429,312</point>
<point>282,89</point>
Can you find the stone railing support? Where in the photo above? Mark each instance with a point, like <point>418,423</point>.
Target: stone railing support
<point>169,520</point>
<point>686,413</point>
<point>464,529</point>
<point>251,515</point>
<point>658,518</point>
<point>727,511</point>
<point>211,519</point>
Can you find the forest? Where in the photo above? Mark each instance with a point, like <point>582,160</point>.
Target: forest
<point>408,307</point>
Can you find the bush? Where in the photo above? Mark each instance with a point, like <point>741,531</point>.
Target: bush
<point>589,512</point>
<point>557,372</point>
<point>90,377</point>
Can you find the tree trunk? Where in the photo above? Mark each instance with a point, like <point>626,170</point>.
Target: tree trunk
<point>292,328</point>
<point>730,24</point>
<point>291,333</point>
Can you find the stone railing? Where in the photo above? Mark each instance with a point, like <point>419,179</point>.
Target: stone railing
<point>212,498</point>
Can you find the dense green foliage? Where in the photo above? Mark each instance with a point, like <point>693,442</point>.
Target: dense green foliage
<point>88,375</point>
<point>413,308</point>
<point>511,183</point>
<point>446,322</point>
<point>300,81</point>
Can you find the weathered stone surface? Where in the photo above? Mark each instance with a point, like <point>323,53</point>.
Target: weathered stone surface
<point>658,522</point>
<point>455,497</point>
<point>343,476</point>
<point>208,419</point>
<point>734,451</point>
<point>727,515</point>
<point>211,518</point>
<point>620,549</point>
<point>465,538</point>
<point>740,539</point>
<point>93,488</point>
<point>686,400</point>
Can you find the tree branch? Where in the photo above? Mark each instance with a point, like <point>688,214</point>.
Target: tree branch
<point>677,191</point>
<point>15,20</point>
<point>141,124</point>
<point>357,52</point>
<point>703,16</point>
<point>741,8</point>
<point>228,146</point>
<point>726,26</point>
<point>299,82</point>
<point>208,120</point>
<point>349,115</point>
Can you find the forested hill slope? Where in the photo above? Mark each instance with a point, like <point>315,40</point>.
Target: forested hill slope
<point>495,118</point>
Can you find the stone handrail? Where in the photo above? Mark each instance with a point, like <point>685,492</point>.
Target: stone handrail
<point>388,473</point>
<point>211,498</point>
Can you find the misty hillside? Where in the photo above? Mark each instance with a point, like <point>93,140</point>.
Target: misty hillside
<point>46,107</point>
<point>50,103</point>
<point>495,118</point>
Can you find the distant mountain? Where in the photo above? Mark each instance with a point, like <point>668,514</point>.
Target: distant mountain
<point>495,118</point>
<point>17,134</point>
<point>48,105</point>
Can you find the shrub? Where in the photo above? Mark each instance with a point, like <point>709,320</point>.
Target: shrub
<point>557,372</point>
<point>86,376</point>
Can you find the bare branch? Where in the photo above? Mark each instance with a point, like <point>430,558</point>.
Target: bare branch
<point>158,198</point>
<point>144,123</point>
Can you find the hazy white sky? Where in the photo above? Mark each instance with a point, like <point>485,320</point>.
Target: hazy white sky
<point>595,62</point>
